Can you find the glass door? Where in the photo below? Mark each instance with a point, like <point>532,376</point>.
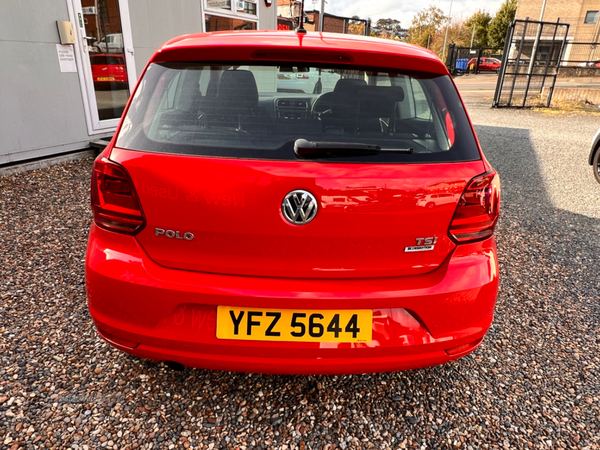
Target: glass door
<point>105,60</point>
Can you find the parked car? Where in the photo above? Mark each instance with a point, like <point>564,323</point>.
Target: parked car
<point>433,200</point>
<point>108,69</point>
<point>594,158</point>
<point>241,228</point>
<point>307,82</point>
<point>111,43</point>
<point>595,63</point>
<point>485,64</point>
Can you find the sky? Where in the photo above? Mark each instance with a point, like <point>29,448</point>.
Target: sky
<point>402,10</point>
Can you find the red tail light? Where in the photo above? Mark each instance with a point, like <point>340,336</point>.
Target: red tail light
<point>478,209</point>
<point>114,201</point>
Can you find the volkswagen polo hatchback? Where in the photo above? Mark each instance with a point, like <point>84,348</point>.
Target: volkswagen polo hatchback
<point>344,227</point>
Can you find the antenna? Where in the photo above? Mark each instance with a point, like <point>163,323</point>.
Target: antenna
<point>300,28</point>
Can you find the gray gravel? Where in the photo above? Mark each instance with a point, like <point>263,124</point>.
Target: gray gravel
<point>534,382</point>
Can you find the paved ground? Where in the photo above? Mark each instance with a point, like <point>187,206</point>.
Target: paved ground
<point>484,84</point>
<point>534,382</point>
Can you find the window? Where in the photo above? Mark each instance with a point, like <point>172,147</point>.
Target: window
<point>220,23</point>
<point>591,17</point>
<point>260,111</point>
<point>224,15</point>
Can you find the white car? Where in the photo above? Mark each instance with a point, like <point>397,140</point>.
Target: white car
<point>111,43</point>
<point>295,81</point>
<point>431,200</point>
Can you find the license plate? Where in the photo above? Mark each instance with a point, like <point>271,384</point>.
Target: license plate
<point>250,324</point>
<point>106,78</point>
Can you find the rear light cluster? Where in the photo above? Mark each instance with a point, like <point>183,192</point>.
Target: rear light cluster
<point>114,202</point>
<point>478,209</point>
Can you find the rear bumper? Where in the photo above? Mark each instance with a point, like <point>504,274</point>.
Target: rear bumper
<point>164,314</point>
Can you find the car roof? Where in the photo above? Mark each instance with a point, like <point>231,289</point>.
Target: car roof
<point>280,46</point>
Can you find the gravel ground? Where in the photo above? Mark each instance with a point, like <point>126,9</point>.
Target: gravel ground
<point>534,382</point>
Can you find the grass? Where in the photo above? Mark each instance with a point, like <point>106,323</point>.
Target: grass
<point>560,107</point>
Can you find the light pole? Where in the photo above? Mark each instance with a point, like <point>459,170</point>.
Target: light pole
<point>321,15</point>
<point>446,35</point>
<point>537,40</point>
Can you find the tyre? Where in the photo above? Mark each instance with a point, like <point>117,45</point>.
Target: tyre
<point>596,165</point>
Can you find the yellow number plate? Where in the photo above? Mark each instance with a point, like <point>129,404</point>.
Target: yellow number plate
<point>251,324</point>
<point>106,78</point>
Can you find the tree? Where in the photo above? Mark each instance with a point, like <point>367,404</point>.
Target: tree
<point>356,26</point>
<point>499,24</point>
<point>481,21</point>
<point>425,26</point>
<point>388,29</point>
<point>458,34</point>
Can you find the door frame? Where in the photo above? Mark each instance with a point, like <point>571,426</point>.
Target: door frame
<point>84,69</point>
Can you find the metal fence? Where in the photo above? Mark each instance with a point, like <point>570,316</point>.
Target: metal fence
<point>532,56</point>
<point>461,60</point>
<point>582,48</point>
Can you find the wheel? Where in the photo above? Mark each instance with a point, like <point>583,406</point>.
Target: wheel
<point>596,165</point>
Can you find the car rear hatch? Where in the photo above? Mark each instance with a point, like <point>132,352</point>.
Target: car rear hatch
<point>213,159</point>
<point>368,223</point>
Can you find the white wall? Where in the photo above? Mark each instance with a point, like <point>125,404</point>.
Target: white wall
<point>41,108</point>
<point>153,22</point>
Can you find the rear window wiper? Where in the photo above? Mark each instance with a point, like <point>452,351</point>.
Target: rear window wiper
<point>319,149</point>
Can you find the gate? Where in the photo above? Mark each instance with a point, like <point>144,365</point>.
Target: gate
<point>458,57</point>
<point>530,62</point>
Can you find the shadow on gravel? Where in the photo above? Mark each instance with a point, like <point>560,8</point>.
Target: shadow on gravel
<point>534,380</point>
<point>532,383</point>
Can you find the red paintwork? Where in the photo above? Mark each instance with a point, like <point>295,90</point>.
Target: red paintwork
<point>425,305</point>
<point>368,214</point>
<point>290,46</point>
<point>118,71</point>
<point>485,64</point>
<point>171,312</point>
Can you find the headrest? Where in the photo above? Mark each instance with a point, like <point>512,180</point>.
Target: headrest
<point>238,87</point>
<point>380,93</point>
<point>348,83</point>
<point>190,92</point>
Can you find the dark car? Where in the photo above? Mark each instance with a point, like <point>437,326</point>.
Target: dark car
<point>594,158</point>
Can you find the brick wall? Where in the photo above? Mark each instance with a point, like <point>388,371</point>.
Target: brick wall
<point>572,12</point>
<point>554,9</point>
<point>330,24</point>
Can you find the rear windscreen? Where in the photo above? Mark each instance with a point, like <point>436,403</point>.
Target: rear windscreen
<point>106,61</point>
<point>260,111</point>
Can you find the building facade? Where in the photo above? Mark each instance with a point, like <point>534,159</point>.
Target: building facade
<point>69,65</point>
<point>288,14</point>
<point>584,25</point>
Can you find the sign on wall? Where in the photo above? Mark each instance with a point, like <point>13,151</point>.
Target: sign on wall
<point>66,58</point>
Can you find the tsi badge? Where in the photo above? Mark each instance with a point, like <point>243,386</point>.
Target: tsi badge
<point>423,245</point>
<point>173,234</point>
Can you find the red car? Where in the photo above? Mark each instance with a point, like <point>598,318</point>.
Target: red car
<point>239,228</point>
<point>108,69</point>
<point>485,64</point>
